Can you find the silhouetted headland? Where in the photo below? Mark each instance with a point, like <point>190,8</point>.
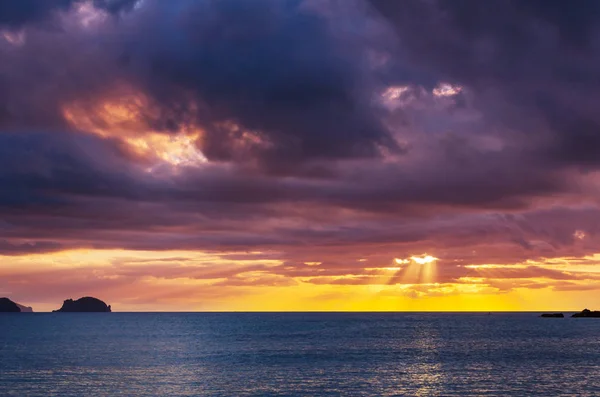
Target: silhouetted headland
<point>8,306</point>
<point>84,305</point>
<point>553,315</point>
<point>25,309</point>
<point>587,313</point>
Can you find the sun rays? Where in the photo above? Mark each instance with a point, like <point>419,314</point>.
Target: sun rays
<point>416,269</point>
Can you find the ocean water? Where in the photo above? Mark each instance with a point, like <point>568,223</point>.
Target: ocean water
<point>297,354</point>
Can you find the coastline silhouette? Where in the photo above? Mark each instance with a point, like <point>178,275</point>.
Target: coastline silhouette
<point>8,306</point>
<point>86,304</point>
<point>587,313</point>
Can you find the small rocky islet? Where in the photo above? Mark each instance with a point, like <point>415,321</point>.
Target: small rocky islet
<point>582,314</point>
<point>553,315</point>
<point>587,313</point>
<point>86,304</point>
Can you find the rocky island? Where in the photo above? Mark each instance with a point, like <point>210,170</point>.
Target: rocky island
<point>8,306</point>
<point>25,309</point>
<point>552,315</point>
<point>587,313</point>
<point>86,304</point>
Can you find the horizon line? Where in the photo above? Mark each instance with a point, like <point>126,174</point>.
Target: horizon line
<point>328,311</point>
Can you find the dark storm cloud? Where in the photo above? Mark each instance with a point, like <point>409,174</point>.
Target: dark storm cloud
<point>77,190</point>
<point>533,64</point>
<point>15,14</point>
<point>277,69</point>
<point>30,247</point>
<point>115,6</point>
<point>270,66</point>
<point>44,170</point>
<point>331,173</point>
<point>273,68</point>
<point>75,175</point>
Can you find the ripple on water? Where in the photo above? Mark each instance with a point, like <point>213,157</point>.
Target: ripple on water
<point>168,354</point>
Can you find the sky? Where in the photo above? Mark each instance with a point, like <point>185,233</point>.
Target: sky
<point>200,155</point>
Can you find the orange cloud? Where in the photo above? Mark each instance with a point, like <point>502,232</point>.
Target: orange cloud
<point>128,115</point>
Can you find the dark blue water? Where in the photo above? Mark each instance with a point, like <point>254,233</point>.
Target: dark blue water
<point>238,354</point>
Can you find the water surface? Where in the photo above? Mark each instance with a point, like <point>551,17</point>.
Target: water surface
<point>329,354</point>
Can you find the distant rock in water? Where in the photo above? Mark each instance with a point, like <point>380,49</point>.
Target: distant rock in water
<point>587,313</point>
<point>84,305</point>
<point>25,309</point>
<point>553,315</point>
<point>8,306</point>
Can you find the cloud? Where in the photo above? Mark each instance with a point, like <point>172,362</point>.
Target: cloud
<point>50,169</point>
<point>313,132</point>
<point>29,247</point>
<point>532,65</point>
<point>265,81</point>
<point>15,14</point>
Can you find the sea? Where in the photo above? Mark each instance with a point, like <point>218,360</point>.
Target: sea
<point>298,354</point>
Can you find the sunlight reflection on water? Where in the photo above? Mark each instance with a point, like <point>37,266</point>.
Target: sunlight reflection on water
<point>297,354</point>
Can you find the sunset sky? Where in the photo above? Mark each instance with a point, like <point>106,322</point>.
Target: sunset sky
<point>206,155</point>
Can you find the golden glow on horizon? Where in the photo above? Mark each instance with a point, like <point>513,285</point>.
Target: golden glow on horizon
<point>496,266</point>
<point>190,280</point>
<point>83,258</point>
